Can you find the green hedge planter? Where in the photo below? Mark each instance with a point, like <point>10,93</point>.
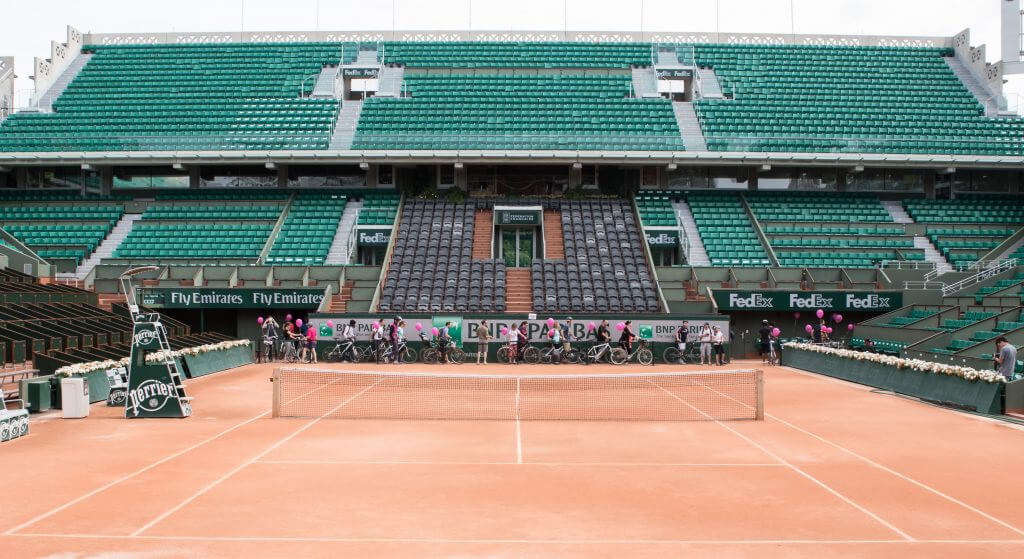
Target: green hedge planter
<point>215,361</point>
<point>985,397</point>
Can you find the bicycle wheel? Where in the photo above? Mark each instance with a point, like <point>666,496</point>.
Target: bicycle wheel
<point>645,356</point>
<point>574,356</point>
<point>456,355</point>
<point>531,355</point>
<point>618,356</point>
<point>409,355</point>
<point>503,354</point>
<point>429,355</point>
<point>671,355</point>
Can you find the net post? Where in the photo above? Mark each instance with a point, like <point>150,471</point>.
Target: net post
<point>276,382</point>
<point>759,393</point>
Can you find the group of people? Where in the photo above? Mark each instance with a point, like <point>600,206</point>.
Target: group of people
<point>296,340</point>
<point>710,338</point>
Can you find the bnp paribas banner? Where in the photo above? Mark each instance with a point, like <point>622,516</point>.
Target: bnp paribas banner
<point>839,301</point>
<point>656,331</point>
<point>238,298</point>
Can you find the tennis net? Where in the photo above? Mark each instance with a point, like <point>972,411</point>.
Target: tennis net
<point>685,396</point>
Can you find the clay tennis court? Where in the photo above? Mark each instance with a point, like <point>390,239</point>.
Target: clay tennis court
<point>834,470</point>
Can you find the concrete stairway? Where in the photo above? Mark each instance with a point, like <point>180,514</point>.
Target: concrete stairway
<point>645,83</point>
<point>325,83</point>
<point>932,254</point>
<point>339,251</point>
<point>554,240</point>
<point>972,84</point>
<point>895,209</point>
<point>668,58</point>
<point>389,82</point>
<point>62,83</point>
<point>339,302</point>
<point>689,126</point>
<point>366,58</point>
<point>709,86</point>
<point>109,245</point>
<point>345,128</point>
<point>483,235</point>
<point>1009,251</point>
<point>518,290</point>
<point>695,247</point>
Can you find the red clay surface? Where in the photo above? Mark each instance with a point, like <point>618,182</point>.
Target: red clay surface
<point>835,470</point>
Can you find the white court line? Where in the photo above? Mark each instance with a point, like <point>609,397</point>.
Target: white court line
<point>300,539</point>
<point>555,464</point>
<point>870,462</point>
<point>774,456</point>
<point>241,466</point>
<point>140,471</point>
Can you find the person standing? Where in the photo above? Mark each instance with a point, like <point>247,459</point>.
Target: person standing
<point>567,337</point>
<point>445,340</point>
<point>704,336</point>
<point>393,338</point>
<point>718,343</point>
<point>524,338</point>
<point>764,336</point>
<point>681,333</point>
<point>483,336</point>
<point>1006,358</point>
<point>378,340</point>
<point>513,344</point>
<point>603,335</point>
<point>311,344</point>
<point>270,337</point>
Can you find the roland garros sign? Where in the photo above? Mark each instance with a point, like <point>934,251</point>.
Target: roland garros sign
<point>838,301</point>
<point>238,298</point>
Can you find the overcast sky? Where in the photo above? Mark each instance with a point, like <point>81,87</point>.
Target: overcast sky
<point>26,28</point>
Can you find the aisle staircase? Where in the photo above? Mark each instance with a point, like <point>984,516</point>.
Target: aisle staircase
<point>698,255</point>
<point>389,82</point>
<point>977,89</point>
<point>109,245</point>
<point>689,126</point>
<point>345,127</point>
<point>645,83</point>
<point>518,290</point>
<point>338,255</point>
<point>483,234</point>
<point>554,240</point>
<point>57,88</point>
<point>932,254</point>
<point>709,86</point>
<point>326,82</point>
<point>339,302</point>
<point>896,210</point>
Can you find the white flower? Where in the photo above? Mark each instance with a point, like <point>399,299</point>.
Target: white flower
<point>966,373</point>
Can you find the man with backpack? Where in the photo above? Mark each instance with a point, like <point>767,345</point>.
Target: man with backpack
<point>681,333</point>
<point>393,338</point>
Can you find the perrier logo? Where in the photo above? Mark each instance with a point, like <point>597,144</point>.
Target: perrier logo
<point>150,396</point>
<point>144,337</point>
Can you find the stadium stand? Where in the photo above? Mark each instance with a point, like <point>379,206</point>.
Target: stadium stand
<point>472,54</point>
<point>656,210</point>
<point>188,96</point>
<point>308,230</point>
<point>379,208</point>
<point>726,229</point>
<point>825,98</point>
<point>432,269</point>
<point>604,269</point>
<point>498,111</point>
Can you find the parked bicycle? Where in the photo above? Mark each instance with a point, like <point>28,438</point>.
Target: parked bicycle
<point>432,354</point>
<point>406,353</point>
<point>641,353</point>
<point>347,351</point>
<point>598,353</point>
<point>673,355</point>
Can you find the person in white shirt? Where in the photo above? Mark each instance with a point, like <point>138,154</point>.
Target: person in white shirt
<point>705,344</point>
<point>349,332</point>
<point>718,342</point>
<point>513,344</point>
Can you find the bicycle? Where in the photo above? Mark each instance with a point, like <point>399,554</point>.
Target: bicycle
<point>773,356</point>
<point>547,355</point>
<point>268,349</point>
<point>643,355</point>
<point>673,355</point>
<point>597,352</point>
<point>505,354</point>
<point>433,355</point>
<point>406,353</point>
<point>346,351</point>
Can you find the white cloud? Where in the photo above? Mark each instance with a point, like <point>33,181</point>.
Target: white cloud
<point>25,34</point>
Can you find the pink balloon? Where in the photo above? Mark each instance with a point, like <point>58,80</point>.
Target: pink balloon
<point>849,327</point>
<point>551,333</point>
<point>504,331</point>
<point>330,324</point>
<point>434,331</point>
<point>259,320</point>
<point>809,328</point>
<point>419,327</point>
<point>828,329</point>
<point>776,332</point>
<point>838,318</point>
<point>551,322</point>
<point>820,313</point>
<point>796,315</point>
<point>620,326</point>
<point>298,323</point>
<point>591,327</point>
<point>377,326</point>
<point>288,318</point>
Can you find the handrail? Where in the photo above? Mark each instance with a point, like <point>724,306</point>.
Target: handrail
<point>351,247</point>
<point>302,88</point>
<point>908,265</point>
<point>385,267</point>
<point>648,257</point>
<point>981,276</point>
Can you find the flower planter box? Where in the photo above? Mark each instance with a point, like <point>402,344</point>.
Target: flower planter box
<point>215,361</point>
<point>979,395</point>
